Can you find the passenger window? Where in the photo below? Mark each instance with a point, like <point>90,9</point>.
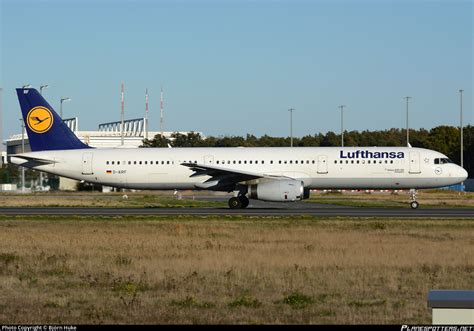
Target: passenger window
<point>340,162</point>
<point>129,162</point>
<point>107,162</point>
<point>167,162</point>
<point>217,162</point>
<point>335,161</point>
<point>250,161</point>
<point>245,161</point>
<point>240,162</point>
<point>234,161</point>
<point>263,162</point>
<point>291,161</point>
<point>113,162</point>
<point>352,161</point>
<point>140,162</point>
<point>312,162</point>
<point>279,162</point>
<point>146,162</point>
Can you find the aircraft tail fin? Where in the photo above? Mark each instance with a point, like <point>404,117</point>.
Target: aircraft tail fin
<point>45,128</point>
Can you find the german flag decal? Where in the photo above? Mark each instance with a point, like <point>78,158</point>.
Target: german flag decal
<point>108,172</point>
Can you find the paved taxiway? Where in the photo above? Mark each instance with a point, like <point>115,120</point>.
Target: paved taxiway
<point>256,208</point>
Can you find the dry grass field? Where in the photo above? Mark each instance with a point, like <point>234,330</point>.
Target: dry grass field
<point>146,199</point>
<point>228,269</point>
<point>426,198</point>
<point>158,199</point>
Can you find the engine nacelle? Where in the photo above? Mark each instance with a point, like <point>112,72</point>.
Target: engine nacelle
<point>277,190</point>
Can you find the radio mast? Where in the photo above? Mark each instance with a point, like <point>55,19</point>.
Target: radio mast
<point>161,112</point>
<point>146,114</point>
<point>122,118</point>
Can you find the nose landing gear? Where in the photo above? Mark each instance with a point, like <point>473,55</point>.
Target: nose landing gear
<point>413,203</point>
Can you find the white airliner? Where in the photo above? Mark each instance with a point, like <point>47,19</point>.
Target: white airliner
<point>269,174</point>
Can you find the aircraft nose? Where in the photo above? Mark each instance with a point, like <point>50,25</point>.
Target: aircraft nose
<point>463,173</point>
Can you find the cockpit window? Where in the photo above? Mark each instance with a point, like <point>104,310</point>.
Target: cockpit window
<point>442,161</point>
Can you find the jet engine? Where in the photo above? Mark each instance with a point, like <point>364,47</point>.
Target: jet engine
<point>278,190</point>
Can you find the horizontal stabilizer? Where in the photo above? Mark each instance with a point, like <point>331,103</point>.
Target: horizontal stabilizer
<point>32,159</point>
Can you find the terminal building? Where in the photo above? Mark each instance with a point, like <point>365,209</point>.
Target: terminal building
<point>108,135</point>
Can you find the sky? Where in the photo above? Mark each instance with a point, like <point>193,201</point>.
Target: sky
<point>236,67</point>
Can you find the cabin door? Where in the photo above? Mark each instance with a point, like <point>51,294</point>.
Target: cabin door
<point>87,164</point>
<point>322,164</point>
<point>414,167</point>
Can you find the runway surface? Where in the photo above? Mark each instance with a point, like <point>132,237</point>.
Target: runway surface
<point>255,209</point>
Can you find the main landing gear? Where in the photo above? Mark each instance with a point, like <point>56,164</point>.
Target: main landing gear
<point>239,202</point>
<point>413,203</point>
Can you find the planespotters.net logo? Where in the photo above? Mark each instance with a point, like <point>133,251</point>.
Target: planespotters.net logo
<point>437,328</point>
<point>40,119</point>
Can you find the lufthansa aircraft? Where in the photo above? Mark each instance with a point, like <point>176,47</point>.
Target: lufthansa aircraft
<point>269,174</point>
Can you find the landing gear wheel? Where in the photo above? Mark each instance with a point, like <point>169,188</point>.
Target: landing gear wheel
<point>235,203</point>
<point>413,203</point>
<point>244,201</point>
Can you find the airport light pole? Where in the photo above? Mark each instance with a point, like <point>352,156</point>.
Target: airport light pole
<point>23,146</point>
<point>342,124</point>
<point>45,86</point>
<point>63,99</point>
<point>22,151</point>
<point>1,114</point>
<point>291,126</point>
<point>461,124</point>
<point>408,130</point>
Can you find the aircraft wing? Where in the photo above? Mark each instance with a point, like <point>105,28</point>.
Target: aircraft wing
<point>221,176</point>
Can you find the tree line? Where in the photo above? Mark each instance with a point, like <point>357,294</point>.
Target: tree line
<point>444,139</point>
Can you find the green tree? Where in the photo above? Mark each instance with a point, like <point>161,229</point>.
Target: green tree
<point>157,141</point>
